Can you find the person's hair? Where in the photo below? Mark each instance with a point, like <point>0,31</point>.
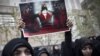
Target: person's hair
<point>44,7</point>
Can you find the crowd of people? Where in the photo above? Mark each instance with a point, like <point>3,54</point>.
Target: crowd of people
<point>85,46</point>
<point>21,47</point>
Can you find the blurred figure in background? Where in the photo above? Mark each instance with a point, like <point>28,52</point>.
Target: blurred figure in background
<point>45,17</point>
<point>56,50</point>
<point>17,47</point>
<point>81,47</point>
<point>38,51</point>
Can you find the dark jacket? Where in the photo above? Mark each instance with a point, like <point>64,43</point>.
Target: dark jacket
<point>12,45</point>
<point>67,46</point>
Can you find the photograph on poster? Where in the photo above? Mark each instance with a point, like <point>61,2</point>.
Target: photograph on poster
<point>43,17</point>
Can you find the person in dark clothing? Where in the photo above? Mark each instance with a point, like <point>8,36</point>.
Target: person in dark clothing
<point>67,45</point>
<point>81,47</point>
<point>45,17</point>
<point>56,50</point>
<point>36,51</point>
<point>17,47</point>
<point>84,47</point>
<point>43,52</point>
<point>66,50</point>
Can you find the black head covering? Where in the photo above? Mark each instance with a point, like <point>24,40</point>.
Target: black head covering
<point>84,41</point>
<point>42,50</point>
<point>12,45</point>
<point>80,43</point>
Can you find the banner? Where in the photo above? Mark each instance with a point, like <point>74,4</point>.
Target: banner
<point>43,17</point>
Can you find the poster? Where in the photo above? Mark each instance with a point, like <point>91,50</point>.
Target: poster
<point>43,17</point>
